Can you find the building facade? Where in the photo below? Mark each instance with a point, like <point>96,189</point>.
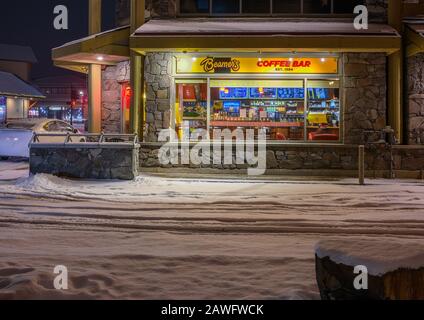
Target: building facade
<point>17,94</point>
<point>66,99</point>
<point>297,70</point>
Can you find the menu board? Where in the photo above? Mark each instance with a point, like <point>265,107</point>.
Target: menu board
<point>233,93</point>
<point>291,93</point>
<point>256,93</point>
<point>318,93</point>
<point>231,106</point>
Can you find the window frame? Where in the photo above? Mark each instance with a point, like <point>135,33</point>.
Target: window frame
<point>271,13</point>
<point>206,78</point>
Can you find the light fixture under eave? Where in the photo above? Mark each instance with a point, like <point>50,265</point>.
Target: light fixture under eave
<point>322,59</point>
<point>100,58</point>
<point>194,59</point>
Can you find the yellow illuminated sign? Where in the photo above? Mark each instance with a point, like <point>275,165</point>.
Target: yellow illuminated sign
<point>257,65</point>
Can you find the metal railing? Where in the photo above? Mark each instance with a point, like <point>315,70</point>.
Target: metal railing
<point>84,139</point>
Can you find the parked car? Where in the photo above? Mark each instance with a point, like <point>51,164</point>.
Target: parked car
<point>15,135</point>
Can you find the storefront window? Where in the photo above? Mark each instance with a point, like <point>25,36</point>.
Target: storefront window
<point>323,112</point>
<point>220,7</point>
<point>3,108</point>
<point>254,6</point>
<point>190,107</point>
<point>125,107</point>
<point>346,6</point>
<point>317,6</point>
<point>274,105</point>
<point>194,6</point>
<point>226,6</point>
<point>287,6</point>
<point>290,98</point>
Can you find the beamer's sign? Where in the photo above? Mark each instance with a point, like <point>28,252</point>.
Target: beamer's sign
<point>272,65</point>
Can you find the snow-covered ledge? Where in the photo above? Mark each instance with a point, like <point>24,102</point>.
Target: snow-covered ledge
<point>359,269</point>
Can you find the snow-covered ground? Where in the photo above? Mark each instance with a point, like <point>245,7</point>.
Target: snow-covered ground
<point>160,237</point>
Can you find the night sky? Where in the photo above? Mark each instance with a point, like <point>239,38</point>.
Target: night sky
<point>30,23</point>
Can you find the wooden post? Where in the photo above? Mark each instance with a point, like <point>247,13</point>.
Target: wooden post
<point>94,98</point>
<point>94,16</point>
<point>137,14</point>
<point>395,70</point>
<point>137,73</point>
<point>361,165</point>
<point>137,96</point>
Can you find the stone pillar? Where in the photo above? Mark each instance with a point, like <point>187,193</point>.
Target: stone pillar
<point>158,73</point>
<point>111,101</point>
<point>416,99</point>
<point>364,105</point>
<point>94,98</point>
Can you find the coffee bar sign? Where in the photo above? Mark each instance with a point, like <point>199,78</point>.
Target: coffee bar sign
<point>273,65</point>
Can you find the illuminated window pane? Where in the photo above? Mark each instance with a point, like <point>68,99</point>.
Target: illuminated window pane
<point>346,6</point>
<point>287,6</point>
<point>226,6</point>
<point>317,6</point>
<point>194,6</point>
<point>256,6</point>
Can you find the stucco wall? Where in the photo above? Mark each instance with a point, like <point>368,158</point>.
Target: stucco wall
<point>415,94</point>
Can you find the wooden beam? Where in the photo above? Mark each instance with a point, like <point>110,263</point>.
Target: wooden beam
<point>387,44</point>
<point>416,42</point>
<point>394,13</point>
<point>137,96</point>
<point>412,50</point>
<point>395,100</point>
<point>110,43</point>
<point>94,16</point>
<point>137,14</point>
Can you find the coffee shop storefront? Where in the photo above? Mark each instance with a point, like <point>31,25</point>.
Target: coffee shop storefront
<point>292,98</point>
<point>318,93</point>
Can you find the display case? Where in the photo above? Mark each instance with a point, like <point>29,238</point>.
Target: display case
<point>276,106</point>
<point>323,110</point>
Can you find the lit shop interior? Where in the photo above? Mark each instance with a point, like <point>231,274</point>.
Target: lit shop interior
<point>287,109</point>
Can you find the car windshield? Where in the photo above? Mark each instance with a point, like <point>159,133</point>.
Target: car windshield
<point>20,125</point>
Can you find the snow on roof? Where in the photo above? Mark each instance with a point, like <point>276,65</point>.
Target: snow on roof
<point>11,85</point>
<point>10,52</point>
<point>93,36</point>
<point>236,26</point>
<point>378,257</point>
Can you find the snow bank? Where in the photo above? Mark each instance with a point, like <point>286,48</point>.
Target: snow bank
<point>379,257</point>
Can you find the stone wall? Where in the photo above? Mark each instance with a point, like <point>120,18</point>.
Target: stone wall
<point>161,8</point>
<point>157,73</point>
<point>378,158</point>
<point>112,78</point>
<point>86,162</point>
<point>377,10</point>
<point>365,105</point>
<point>122,12</point>
<point>415,94</point>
